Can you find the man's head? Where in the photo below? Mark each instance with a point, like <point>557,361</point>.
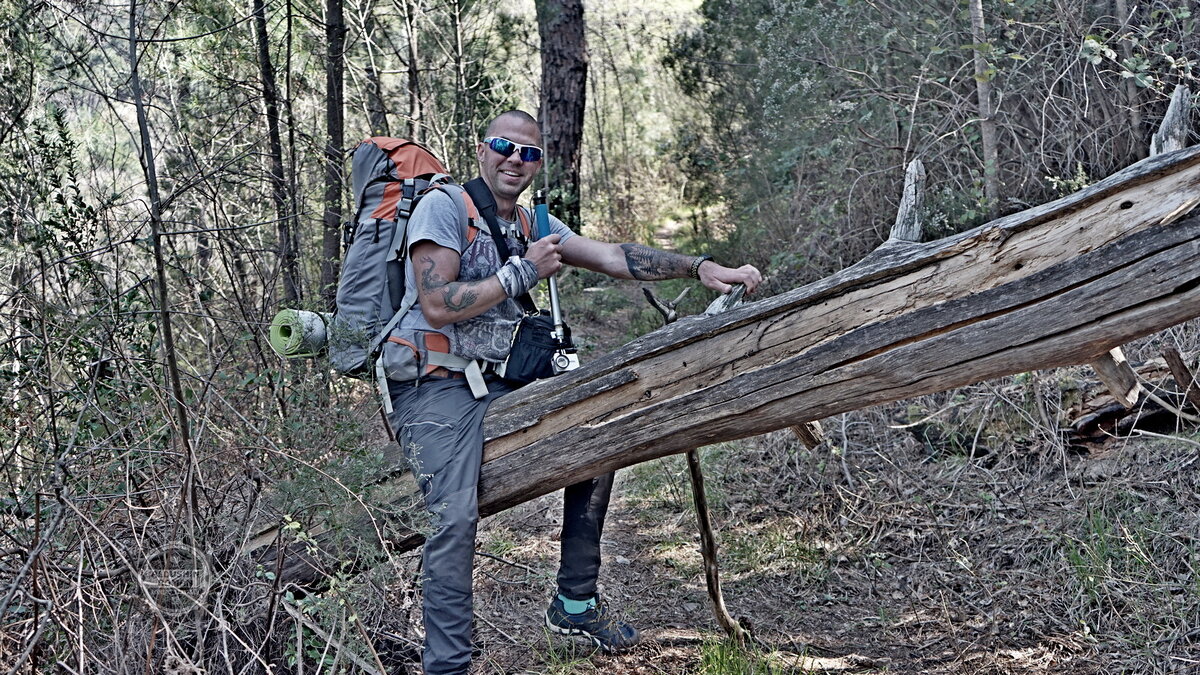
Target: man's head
<point>509,175</point>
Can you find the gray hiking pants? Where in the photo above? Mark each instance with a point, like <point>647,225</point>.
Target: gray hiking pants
<point>439,425</point>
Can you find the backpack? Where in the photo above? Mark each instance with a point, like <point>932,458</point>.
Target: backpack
<point>389,177</point>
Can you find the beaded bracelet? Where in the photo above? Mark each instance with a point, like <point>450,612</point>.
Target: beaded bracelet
<point>695,271</point>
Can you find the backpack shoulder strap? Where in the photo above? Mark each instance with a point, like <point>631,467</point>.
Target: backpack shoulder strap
<point>481,194</point>
<point>523,217</point>
<point>466,213</point>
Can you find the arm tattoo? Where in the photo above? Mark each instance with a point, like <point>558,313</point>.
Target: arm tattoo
<point>431,281</point>
<point>468,297</point>
<point>651,264</point>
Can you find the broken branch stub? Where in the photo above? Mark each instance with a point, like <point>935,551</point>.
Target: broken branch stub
<point>907,227</point>
<point>1172,134</point>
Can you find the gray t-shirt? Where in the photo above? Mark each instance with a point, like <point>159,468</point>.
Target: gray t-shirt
<point>489,335</point>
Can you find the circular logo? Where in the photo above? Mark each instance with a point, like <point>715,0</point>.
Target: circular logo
<point>176,578</point>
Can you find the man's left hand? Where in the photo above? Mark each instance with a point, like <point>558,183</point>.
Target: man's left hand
<point>721,279</point>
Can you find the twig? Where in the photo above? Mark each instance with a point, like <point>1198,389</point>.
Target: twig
<point>497,629</point>
<point>509,563</point>
<point>1184,379</point>
<point>320,632</point>
<point>1169,437</point>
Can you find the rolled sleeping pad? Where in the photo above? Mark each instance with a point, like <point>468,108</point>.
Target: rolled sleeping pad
<point>298,334</point>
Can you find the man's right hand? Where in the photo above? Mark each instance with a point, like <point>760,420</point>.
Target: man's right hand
<point>546,255</point>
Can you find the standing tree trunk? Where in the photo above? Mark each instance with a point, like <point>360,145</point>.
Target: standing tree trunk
<point>376,106</point>
<point>187,494</point>
<point>334,39</point>
<point>288,247</point>
<point>1138,137</point>
<point>564,87</point>
<point>987,124</point>
<point>411,8</point>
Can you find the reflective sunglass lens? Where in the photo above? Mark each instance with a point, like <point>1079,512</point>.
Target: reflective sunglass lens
<point>530,154</point>
<point>503,146</point>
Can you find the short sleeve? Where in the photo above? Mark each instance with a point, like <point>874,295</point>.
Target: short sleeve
<point>436,219</point>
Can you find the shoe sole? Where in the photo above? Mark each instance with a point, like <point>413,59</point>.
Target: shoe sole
<point>579,631</point>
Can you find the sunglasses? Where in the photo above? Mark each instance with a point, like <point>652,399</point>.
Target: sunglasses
<point>529,153</point>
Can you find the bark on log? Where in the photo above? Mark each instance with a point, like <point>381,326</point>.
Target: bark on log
<point>1059,284</point>
<point>1113,368</point>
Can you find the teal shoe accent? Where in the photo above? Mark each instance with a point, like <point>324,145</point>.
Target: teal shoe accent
<point>576,606</point>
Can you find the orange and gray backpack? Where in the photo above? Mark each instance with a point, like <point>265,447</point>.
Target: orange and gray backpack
<point>390,176</point>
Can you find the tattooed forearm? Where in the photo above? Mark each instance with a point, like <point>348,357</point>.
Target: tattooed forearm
<point>456,295</point>
<point>467,297</point>
<point>651,264</point>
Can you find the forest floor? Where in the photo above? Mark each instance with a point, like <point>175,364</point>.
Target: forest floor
<point>957,533</point>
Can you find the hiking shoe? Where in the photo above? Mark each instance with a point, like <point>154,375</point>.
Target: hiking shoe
<point>599,623</point>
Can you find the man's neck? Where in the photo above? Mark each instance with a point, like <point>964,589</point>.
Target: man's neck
<point>506,209</point>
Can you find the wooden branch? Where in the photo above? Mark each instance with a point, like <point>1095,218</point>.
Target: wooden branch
<point>708,540</point>
<point>1184,379</point>
<point>1059,284</point>
<point>708,550</point>
<point>809,433</point>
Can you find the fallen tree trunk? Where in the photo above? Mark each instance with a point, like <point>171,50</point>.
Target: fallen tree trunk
<point>1059,284</point>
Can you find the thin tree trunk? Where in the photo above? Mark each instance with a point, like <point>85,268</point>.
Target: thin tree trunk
<point>182,430</point>
<point>293,178</point>
<point>987,124</point>
<point>414,72</point>
<point>330,243</point>
<point>1141,148</point>
<point>564,87</point>
<point>376,106</point>
<point>288,253</point>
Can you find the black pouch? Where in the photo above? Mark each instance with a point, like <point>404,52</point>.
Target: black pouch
<point>532,354</point>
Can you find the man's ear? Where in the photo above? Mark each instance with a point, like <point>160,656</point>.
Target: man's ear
<point>479,153</point>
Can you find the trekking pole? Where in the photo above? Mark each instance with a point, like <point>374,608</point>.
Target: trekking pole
<point>565,355</point>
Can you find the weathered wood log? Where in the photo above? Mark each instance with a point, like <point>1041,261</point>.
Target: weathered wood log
<point>1113,368</point>
<point>1059,284</point>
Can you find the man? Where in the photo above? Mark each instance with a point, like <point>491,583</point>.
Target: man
<point>466,292</point>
